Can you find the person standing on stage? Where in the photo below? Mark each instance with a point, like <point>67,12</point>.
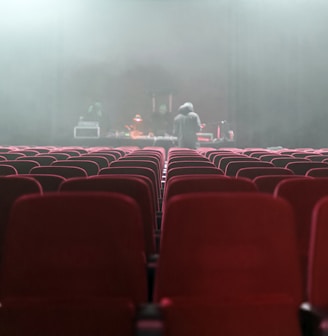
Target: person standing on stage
<point>94,112</point>
<point>186,125</point>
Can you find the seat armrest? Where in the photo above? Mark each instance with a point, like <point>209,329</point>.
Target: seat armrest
<point>149,320</point>
<point>314,321</point>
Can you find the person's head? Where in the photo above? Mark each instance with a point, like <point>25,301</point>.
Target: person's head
<point>186,108</point>
<point>97,106</point>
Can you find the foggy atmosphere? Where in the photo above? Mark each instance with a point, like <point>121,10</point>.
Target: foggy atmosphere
<point>259,64</point>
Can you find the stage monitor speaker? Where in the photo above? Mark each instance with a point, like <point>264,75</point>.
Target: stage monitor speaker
<point>205,137</point>
<point>85,132</point>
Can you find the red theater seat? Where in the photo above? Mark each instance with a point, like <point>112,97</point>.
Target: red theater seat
<point>303,194</point>
<point>318,269</point>
<point>142,171</point>
<point>252,172</point>
<point>133,186</point>
<point>73,265</point>
<point>193,171</point>
<point>45,160</point>
<point>11,188</point>
<point>233,167</point>
<point>235,265</point>
<point>90,167</point>
<point>268,183</point>
<point>317,172</point>
<point>22,167</point>
<point>67,172</point>
<point>301,168</point>
<point>178,185</point>
<point>48,182</point>
<point>7,170</point>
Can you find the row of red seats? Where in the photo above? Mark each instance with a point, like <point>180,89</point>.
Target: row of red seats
<point>175,312</point>
<point>74,262</point>
<point>297,162</point>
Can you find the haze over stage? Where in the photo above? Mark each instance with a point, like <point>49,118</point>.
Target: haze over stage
<point>261,65</point>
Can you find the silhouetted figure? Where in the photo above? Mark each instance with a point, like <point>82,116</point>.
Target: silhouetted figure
<point>186,125</point>
<point>94,112</point>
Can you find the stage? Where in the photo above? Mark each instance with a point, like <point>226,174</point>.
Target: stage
<point>143,141</point>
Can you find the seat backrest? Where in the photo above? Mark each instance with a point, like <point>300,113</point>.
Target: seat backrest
<point>11,188</point>
<point>108,157</point>
<point>317,157</point>
<point>301,168</point>
<point>195,157</point>
<point>143,171</point>
<point>42,160</point>
<point>303,194</point>
<point>67,172</point>
<point>270,157</point>
<point>233,167</point>
<point>228,246</point>
<point>7,170</point>
<point>56,155</point>
<point>48,182</point>
<point>283,162</point>
<point>317,172</point>
<point>22,167</point>
<point>224,161</point>
<point>194,163</point>
<point>155,158</point>
<point>192,171</point>
<point>252,172</point>
<point>12,156</point>
<point>268,183</point>
<point>318,271</point>
<point>102,162</point>
<point>139,163</point>
<point>178,185</point>
<point>74,246</point>
<point>91,168</point>
<point>132,186</point>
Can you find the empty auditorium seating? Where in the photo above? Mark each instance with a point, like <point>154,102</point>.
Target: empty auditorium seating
<point>12,156</point>
<point>22,167</point>
<point>102,162</point>
<point>283,162</point>
<point>270,157</point>
<point>73,265</point>
<point>133,186</point>
<point>301,168</point>
<point>317,172</point>
<point>235,265</point>
<point>268,183</point>
<point>317,157</point>
<point>193,170</point>
<point>90,167</point>
<point>205,183</point>
<point>142,171</point>
<point>224,161</point>
<point>7,170</point>
<point>44,160</point>
<point>48,182</point>
<point>195,163</point>
<point>317,269</point>
<point>303,194</point>
<point>233,167</point>
<point>252,172</point>
<point>11,188</point>
<point>56,155</point>
<point>67,172</point>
